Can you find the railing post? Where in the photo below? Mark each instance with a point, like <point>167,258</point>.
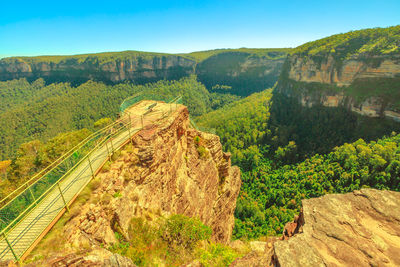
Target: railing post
<point>129,130</point>
<point>130,121</point>
<point>62,196</point>
<point>30,191</point>
<point>108,152</point>
<point>112,146</point>
<point>9,245</point>
<point>90,165</point>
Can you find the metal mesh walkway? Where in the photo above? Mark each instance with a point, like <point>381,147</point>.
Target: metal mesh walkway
<point>30,211</point>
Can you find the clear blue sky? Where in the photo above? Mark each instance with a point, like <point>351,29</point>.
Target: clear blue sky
<point>73,27</point>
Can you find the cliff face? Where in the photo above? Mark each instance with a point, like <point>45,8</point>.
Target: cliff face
<point>355,229</point>
<point>172,169</point>
<point>75,69</point>
<point>306,69</point>
<point>245,72</point>
<point>366,85</point>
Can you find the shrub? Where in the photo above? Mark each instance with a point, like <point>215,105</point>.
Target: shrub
<point>217,255</point>
<point>203,152</point>
<point>181,231</point>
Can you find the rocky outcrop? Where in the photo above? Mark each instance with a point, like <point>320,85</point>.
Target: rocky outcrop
<point>173,169</point>
<point>259,255</point>
<point>95,258</point>
<point>365,85</point>
<point>307,69</point>
<point>355,229</point>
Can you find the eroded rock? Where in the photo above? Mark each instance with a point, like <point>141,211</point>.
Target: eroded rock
<point>165,174</point>
<point>355,229</point>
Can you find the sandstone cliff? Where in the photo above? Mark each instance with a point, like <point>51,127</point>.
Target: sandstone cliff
<point>354,229</point>
<point>164,174</point>
<point>245,70</point>
<point>358,70</point>
<point>106,67</point>
<point>367,85</point>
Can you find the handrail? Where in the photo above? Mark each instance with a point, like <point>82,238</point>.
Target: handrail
<point>41,197</point>
<point>38,175</point>
<point>59,173</point>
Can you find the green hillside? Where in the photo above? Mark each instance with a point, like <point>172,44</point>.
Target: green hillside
<point>100,58</point>
<point>39,111</point>
<point>271,53</point>
<point>375,41</point>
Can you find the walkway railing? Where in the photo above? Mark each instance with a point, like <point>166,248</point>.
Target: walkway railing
<point>27,212</point>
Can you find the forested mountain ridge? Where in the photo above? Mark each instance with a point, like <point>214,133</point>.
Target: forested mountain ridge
<point>111,67</point>
<point>339,89</point>
<point>232,68</point>
<point>359,70</point>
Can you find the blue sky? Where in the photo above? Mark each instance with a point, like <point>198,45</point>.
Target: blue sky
<point>75,27</point>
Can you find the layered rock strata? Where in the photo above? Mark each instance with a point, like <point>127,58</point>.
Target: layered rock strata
<point>172,169</point>
<point>367,86</point>
<point>354,229</point>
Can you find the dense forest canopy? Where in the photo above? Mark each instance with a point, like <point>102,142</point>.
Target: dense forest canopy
<point>275,141</point>
<point>243,127</point>
<point>373,41</point>
<point>38,111</point>
<point>270,196</point>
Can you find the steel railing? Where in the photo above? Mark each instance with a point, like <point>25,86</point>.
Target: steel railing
<point>52,190</point>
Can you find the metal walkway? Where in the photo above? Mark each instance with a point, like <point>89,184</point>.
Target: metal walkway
<point>26,230</point>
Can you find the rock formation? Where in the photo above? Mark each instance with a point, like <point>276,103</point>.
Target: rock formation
<point>96,258</point>
<point>354,229</point>
<point>234,68</point>
<point>365,85</point>
<point>305,69</point>
<point>139,68</point>
<point>173,169</point>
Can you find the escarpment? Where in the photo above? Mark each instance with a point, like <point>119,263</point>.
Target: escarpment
<point>107,67</point>
<point>244,71</point>
<point>171,169</point>
<point>354,229</point>
<point>367,85</point>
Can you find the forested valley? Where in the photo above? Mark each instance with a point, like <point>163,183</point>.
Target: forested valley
<point>283,156</point>
<point>286,151</point>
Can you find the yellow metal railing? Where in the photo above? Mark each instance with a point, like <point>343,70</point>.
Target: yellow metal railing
<point>20,204</point>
